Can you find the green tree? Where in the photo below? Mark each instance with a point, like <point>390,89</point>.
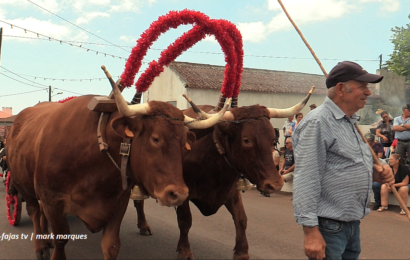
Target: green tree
<point>399,61</point>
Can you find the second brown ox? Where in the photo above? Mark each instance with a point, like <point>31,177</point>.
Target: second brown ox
<point>246,137</point>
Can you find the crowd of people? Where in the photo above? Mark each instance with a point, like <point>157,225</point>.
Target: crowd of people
<point>394,145</point>
<point>342,158</point>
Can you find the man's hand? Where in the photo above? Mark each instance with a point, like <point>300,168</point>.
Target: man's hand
<point>314,244</point>
<point>383,174</point>
<point>385,139</point>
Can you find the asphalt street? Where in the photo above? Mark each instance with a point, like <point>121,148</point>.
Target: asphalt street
<point>272,233</point>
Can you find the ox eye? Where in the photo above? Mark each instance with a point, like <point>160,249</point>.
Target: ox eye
<point>246,141</point>
<point>155,140</point>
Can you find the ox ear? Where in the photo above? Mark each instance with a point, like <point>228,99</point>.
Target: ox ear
<point>123,126</point>
<point>190,140</point>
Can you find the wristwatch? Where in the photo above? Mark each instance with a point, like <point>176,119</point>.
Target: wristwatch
<point>402,125</point>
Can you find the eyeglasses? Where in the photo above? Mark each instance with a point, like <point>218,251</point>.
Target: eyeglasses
<point>287,143</point>
<point>384,117</point>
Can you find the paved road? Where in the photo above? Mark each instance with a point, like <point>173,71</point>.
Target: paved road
<point>272,233</point>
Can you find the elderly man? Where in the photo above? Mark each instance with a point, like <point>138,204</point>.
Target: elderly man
<point>401,126</point>
<point>334,168</point>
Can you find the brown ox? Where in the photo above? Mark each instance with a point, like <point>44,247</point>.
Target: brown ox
<point>211,177</point>
<point>54,157</point>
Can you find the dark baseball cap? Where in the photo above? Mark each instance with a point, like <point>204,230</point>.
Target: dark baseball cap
<point>347,70</point>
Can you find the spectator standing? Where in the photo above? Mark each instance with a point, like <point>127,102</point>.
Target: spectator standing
<point>378,112</point>
<point>401,126</point>
<point>312,106</point>
<point>288,163</point>
<point>334,167</point>
<point>401,181</point>
<point>298,117</point>
<point>286,126</point>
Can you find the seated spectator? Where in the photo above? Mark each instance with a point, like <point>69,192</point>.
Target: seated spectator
<point>276,158</point>
<point>298,117</point>
<point>288,163</point>
<point>393,147</point>
<point>401,180</point>
<point>385,132</point>
<point>376,146</point>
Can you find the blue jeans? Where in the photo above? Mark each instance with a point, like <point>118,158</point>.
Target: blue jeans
<point>342,238</point>
<point>376,191</point>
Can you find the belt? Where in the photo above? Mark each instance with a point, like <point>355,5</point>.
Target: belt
<point>403,141</point>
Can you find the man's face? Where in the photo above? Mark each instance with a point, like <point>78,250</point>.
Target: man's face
<point>290,118</point>
<point>356,93</point>
<point>406,112</point>
<point>288,144</point>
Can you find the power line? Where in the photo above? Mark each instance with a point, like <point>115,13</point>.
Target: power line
<point>65,42</point>
<point>20,81</point>
<point>201,52</point>
<point>76,25</point>
<point>21,93</point>
<point>70,91</point>
<point>22,77</point>
<point>58,79</point>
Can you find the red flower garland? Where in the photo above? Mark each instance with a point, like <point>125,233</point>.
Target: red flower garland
<point>237,39</point>
<point>65,99</point>
<point>230,41</point>
<point>9,200</point>
<point>186,41</point>
<point>171,20</point>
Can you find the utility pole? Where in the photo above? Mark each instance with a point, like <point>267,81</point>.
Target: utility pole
<point>381,61</point>
<point>49,93</point>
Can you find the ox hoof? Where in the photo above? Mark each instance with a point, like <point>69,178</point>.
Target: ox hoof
<point>186,256</point>
<point>145,232</point>
<point>240,256</point>
<point>43,254</point>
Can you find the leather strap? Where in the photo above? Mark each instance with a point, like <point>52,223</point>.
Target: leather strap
<point>215,139</point>
<point>102,124</point>
<point>125,149</point>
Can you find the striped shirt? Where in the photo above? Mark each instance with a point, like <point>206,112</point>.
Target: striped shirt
<point>333,167</point>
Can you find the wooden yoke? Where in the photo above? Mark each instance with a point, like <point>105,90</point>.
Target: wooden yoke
<point>375,159</point>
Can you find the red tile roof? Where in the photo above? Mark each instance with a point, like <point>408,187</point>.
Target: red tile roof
<point>4,115</point>
<point>204,76</point>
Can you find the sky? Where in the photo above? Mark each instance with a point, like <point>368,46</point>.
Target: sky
<point>63,43</point>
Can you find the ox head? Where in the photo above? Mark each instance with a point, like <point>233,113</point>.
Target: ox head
<point>247,137</point>
<point>159,133</point>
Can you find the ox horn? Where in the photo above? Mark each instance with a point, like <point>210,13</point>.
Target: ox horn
<point>282,113</point>
<point>124,108</point>
<point>212,120</point>
<point>228,116</point>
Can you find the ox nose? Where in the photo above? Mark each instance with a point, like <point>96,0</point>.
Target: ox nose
<point>172,195</point>
<point>272,186</point>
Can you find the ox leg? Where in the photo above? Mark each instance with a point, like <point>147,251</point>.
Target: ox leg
<point>184,217</point>
<point>40,245</point>
<point>44,226</point>
<point>59,227</point>
<point>235,207</point>
<point>110,242</point>
<point>143,226</point>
